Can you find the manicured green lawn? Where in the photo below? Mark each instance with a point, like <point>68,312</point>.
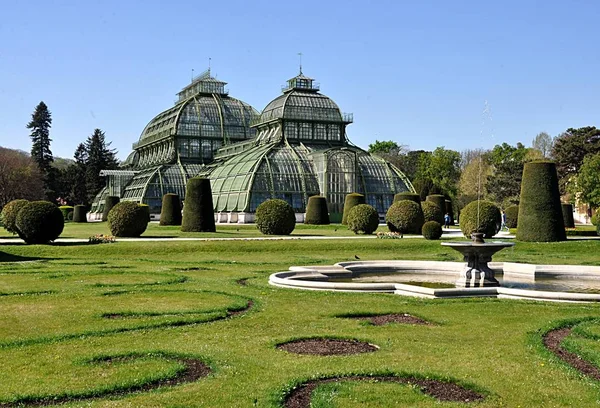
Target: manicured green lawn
<point>67,309</point>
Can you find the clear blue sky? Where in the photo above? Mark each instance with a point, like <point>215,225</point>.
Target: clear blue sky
<point>415,72</point>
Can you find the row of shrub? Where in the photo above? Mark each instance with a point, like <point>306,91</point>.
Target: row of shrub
<point>36,222</point>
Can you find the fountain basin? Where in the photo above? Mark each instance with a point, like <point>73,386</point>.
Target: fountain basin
<point>477,254</point>
<point>528,281</point>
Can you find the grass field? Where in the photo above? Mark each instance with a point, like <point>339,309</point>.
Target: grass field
<point>90,325</point>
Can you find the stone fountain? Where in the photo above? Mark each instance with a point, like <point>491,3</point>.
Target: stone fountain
<point>477,254</point>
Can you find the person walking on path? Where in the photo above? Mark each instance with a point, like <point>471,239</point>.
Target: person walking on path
<point>503,226</point>
<point>447,220</point>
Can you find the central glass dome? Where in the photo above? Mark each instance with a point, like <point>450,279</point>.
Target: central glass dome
<point>301,150</point>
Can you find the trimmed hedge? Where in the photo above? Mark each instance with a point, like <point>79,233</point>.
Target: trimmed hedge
<point>438,200</point>
<point>127,219</point>
<point>490,219</point>
<point>363,219</point>
<point>198,212</point>
<point>66,210</point>
<point>275,217</point>
<point>79,213</point>
<point>170,212</point>
<point>109,203</point>
<point>432,230</point>
<point>512,216</point>
<point>595,219</point>
<point>405,217</point>
<point>316,211</point>
<point>407,196</point>
<point>350,201</point>
<point>598,229</point>
<point>9,214</point>
<point>431,212</point>
<point>39,222</point>
<point>567,212</point>
<point>540,213</point>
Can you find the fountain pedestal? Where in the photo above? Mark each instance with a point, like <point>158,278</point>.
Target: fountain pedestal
<point>477,254</point>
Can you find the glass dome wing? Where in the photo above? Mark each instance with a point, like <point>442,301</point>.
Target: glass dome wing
<point>231,180</point>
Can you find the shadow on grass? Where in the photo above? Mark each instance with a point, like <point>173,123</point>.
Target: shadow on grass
<point>4,257</point>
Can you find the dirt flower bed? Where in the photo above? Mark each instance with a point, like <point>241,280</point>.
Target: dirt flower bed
<point>403,318</point>
<point>300,397</point>
<point>552,341</point>
<point>327,347</point>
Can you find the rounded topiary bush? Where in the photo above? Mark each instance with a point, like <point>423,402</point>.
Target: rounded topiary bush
<point>316,211</point>
<point>432,230</point>
<point>39,222</point>
<point>408,196</point>
<point>127,219</point>
<point>405,216</point>
<point>66,210</point>
<point>490,219</point>
<point>9,215</point>
<point>79,213</point>
<point>512,216</point>
<point>598,229</point>
<point>275,217</point>
<point>567,212</point>
<point>438,200</point>
<point>170,213</point>
<point>363,219</point>
<point>540,213</point>
<point>109,203</point>
<point>350,201</point>
<point>198,211</point>
<point>431,212</point>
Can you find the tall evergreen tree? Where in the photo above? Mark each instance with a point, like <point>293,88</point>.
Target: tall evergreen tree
<point>99,157</point>
<point>41,121</point>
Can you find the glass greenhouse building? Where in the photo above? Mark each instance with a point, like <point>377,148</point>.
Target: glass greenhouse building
<point>296,148</point>
<point>178,142</point>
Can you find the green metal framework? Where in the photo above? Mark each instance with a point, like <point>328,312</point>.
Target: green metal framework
<point>301,150</point>
<point>203,119</point>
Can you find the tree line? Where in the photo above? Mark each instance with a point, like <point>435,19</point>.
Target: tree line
<point>495,174</point>
<point>38,175</point>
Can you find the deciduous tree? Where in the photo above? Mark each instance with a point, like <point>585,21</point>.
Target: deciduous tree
<point>543,142</point>
<point>588,180</point>
<point>20,177</point>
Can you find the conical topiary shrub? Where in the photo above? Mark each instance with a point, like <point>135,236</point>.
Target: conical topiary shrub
<point>109,203</point>
<point>198,212</point>
<point>316,211</point>
<point>540,213</point>
<point>79,212</point>
<point>567,212</point>
<point>170,213</point>
<point>351,200</point>
<point>407,196</point>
